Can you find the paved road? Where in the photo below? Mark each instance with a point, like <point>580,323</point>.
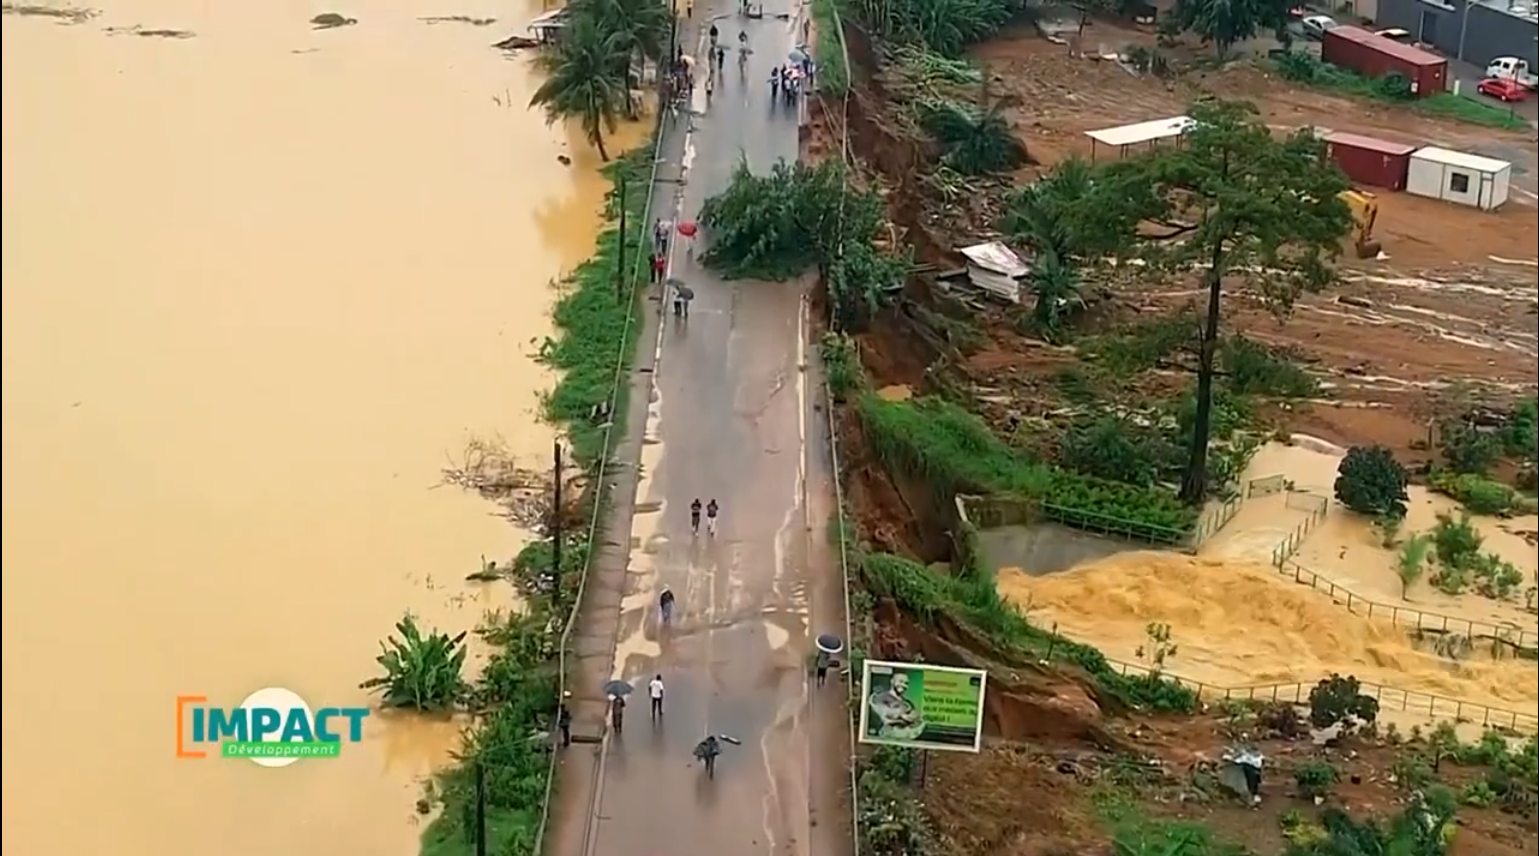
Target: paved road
<point>730,415</point>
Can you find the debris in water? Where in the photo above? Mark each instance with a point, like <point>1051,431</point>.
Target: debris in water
<point>524,496</point>
<point>63,14</point>
<point>331,20</point>
<point>458,19</point>
<point>137,30</point>
<point>513,43</point>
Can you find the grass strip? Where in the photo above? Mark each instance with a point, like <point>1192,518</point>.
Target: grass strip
<point>1305,68</point>
<point>593,349</point>
<point>828,49</point>
<point>956,452</point>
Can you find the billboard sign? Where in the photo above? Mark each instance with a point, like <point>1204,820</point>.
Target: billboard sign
<point>922,706</point>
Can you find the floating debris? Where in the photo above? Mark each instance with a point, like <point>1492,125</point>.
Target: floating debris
<point>62,14</point>
<point>331,20</point>
<point>458,19</point>
<point>137,30</point>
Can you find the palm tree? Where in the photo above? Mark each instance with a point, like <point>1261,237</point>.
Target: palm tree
<point>584,82</point>
<point>638,30</point>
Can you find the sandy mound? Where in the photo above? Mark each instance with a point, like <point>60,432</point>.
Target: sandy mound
<point>1240,625</point>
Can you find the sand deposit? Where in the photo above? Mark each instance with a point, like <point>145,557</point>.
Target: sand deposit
<point>1238,624</point>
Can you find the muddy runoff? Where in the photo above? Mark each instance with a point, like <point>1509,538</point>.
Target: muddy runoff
<point>263,280</point>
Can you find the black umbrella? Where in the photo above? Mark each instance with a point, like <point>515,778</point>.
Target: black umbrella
<point>828,643</point>
<point>618,687</point>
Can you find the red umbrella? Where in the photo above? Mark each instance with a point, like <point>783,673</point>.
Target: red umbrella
<point>688,229</point>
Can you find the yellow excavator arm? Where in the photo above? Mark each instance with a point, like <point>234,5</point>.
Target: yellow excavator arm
<point>1365,213</point>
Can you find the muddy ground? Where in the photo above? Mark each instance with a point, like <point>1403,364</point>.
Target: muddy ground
<point>1449,315</point>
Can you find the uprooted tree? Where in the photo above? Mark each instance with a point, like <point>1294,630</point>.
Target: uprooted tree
<point>1255,209</point>
<point>778,225</point>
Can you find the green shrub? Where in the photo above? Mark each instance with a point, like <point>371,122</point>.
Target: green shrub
<point>955,452</point>
<point>1316,779</point>
<point>841,365</point>
<point>1481,495</point>
<point>421,672</point>
<point>1467,449</point>
<point>1336,698</point>
<point>1370,481</point>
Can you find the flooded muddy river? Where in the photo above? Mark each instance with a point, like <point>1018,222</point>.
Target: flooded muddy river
<point>261,281</point>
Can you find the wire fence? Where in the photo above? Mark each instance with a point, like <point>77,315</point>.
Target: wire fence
<point>826,13</point>
<point>1317,506</point>
<point>1408,616</point>
<point>1390,698</point>
<point>600,495</point>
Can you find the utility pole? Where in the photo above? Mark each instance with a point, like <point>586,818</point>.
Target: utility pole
<point>480,809</point>
<point>624,238</point>
<point>555,533</point>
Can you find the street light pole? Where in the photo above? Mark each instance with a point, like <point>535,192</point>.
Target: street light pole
<point>1464,23</point>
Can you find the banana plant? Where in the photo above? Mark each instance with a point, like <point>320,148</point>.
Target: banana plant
<point>421,672</point>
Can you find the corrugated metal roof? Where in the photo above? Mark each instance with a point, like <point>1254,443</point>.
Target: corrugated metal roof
<point>1388,47</point>
<point>1142,132</point>
<point>1372,144</point>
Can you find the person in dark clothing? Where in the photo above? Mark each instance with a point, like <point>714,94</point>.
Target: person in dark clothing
<point>617,713</point>
<point>821,668</point>
<point>694,516</point>
<point>665,605</point>
<point>564,722</point>
<point>711,511</point>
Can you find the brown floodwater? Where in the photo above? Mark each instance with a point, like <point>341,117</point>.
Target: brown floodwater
<point>260,283</point>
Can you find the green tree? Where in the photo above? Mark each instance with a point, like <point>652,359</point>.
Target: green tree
<point>1260,208</point>
<point>1073,217</point>
<point>585,81</point>
<point>974,140</point>
<point>1370,481</point>
<point>1223,23</point>
<point>637,31</point>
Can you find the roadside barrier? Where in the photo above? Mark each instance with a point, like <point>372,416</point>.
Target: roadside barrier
<point>600,496</point>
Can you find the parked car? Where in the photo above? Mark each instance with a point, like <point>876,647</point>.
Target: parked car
<point>1512,68</point>
<point>1316,25</point>
<point>1502,89</point>
<point>1394,34</point>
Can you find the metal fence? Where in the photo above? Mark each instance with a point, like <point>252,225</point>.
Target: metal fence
<point>1389,698</point>
<point>831,7</point>
<point>1407,616</point>
<point>599,481</point>
<point>1317,506</point>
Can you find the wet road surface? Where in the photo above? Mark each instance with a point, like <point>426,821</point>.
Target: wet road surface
<point>730,418</point>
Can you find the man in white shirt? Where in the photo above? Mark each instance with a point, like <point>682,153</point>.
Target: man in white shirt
<point>656,689</point>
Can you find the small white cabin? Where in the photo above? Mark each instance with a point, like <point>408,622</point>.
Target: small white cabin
<point>995,269</point>
<point>1473,180</point>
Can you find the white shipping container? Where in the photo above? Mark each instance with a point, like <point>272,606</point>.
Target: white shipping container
<point>1473,180</point>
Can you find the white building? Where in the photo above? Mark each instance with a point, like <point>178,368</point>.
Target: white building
<point>1473,180</point>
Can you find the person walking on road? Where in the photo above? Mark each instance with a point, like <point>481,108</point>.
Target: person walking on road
<point>617,713</point>
<point>564,723</point>
<point>665,605</point>
<point>712,510</point>
<point>655,689</point>
<point>694,516</point>
<point>821,668</point>
<point>659,266</point>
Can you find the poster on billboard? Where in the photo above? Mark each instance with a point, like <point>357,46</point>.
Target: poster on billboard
<point>921,706</point>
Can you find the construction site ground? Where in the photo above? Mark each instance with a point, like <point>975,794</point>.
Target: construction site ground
<point>1448,313</point>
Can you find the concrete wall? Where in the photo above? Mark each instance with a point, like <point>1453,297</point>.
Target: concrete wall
<point>1488,33</point>
<point>1046,548</point>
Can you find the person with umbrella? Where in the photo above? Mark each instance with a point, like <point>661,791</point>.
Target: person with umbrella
<point>828,645</point>
<point>617,690</point>
<point>689,229</point>
<point>707,750</point>
<point>665,606</point>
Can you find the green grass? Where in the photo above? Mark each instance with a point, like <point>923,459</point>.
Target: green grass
<point>1467,108</point>
<point>595,336</point>
<point>957,453</point>
<point>1306,68</point>
<point>974,601</point>
<point>829,51</point>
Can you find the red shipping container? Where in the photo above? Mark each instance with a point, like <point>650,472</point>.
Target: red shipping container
<point>1365,160</point>
<point>1358,50</point>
